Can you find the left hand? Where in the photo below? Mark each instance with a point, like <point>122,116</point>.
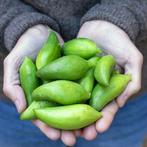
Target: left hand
<point>28,45</point>
<point>116,42</point>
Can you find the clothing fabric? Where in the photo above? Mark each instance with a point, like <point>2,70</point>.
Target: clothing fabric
<point>66,16</point>
<point>127,130</point>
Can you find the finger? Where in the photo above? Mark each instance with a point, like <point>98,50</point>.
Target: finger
<point>129,91</point>
<point>40,27</point>
<point>90,133</point>
<point>134,86</point>
<point>108,114</point>
<point>11,86</point>
<point>68,138</point>
<point>51,133</point>
<point>35,37</point>
<point>16,94</point>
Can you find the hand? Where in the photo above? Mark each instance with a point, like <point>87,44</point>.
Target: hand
<point>28,45</point>
<point>112,40</point>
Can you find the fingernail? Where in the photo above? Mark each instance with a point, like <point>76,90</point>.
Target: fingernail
<point>100,124</point>
<point>17,104</point>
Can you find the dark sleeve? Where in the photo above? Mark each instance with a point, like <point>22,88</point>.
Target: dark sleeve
<point>15,18</point>
<point>129,15</point>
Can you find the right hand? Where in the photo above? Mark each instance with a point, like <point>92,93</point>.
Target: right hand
<point>113,40</point>
<point>28,45</point>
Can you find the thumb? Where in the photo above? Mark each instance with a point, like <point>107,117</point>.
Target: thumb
<point>11,86</point>
<point>15,93</point>
<point>134,85</point>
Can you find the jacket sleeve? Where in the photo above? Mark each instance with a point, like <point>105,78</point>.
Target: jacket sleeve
<point>129,15</point>
<point>15,18</point>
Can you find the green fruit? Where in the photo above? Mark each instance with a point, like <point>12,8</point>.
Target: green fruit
<point>50,51</point>
<point>67,68</point>
<point>46,82</point>
<point>82,47</point>
<point>88,80</point>
<point>103,69</point>
<point>28,79</point>
<point>68,117</point>
<point>102,95</point>
<point>62,92</point>
<point>29,114</point>
<point>92,61</point>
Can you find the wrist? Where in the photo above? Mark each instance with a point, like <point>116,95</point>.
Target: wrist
<point>99,28</point>
<point>88,29</point>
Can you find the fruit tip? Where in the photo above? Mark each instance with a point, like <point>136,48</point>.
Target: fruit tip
<point>99,50</point>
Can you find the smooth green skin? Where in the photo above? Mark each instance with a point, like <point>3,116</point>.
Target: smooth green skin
<point>103,69</point>
<point>28,78</point>
<point>92,61</point>
<point>46,82</point>
<point>70,67</point>
<point>102,95</point>
<point>88,80</point>
<point>68,117</point>
<point>29,114</point>
<point>50,51</point>
<point>62,92</point>
<point>82,47</point>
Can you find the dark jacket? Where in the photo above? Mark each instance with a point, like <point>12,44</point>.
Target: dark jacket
<point>66,17</point>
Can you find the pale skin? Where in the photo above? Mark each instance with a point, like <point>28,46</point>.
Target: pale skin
<point>110,38</point>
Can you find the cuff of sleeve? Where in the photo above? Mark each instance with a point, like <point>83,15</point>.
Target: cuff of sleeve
<point>118,15</point>
<point>23,22</point>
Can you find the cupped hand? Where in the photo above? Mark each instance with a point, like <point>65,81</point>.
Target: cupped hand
<point>28,45</point>
<point>113,40</point>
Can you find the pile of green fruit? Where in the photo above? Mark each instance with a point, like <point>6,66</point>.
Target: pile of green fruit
<point>69,85</point>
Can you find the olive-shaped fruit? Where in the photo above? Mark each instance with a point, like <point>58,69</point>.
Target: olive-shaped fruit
<point>28,78</point>
<point>82,47</point>
<point>103,69</point>
<point>50,51</point>
<point>29,114</point>
<point>62,92</point>
<point>68,117</point>
<point>70,67</point>
<point>102,95</point>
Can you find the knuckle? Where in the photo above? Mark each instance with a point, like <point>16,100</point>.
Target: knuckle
<point>6,90</point>
<point>34,31</point>
<point>37,30</point>
<point>7,60</point>
<point>137,88</point>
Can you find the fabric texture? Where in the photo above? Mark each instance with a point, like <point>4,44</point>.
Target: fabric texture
<point>66,17</point>
<point>128,129</point>
<point>15,18</point>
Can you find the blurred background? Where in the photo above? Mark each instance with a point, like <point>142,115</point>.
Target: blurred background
<point>142,46</point>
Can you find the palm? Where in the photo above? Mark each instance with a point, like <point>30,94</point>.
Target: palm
<point>31,42</point>
<point>116,42</point>
<point>28,45</point>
